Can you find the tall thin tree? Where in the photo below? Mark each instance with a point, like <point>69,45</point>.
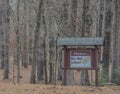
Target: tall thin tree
<point>36,37</point>
<point>7,19</point>
<point>18,43</point>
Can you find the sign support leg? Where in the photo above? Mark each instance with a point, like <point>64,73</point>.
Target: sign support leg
<point>96,77</point>
<point>65,65</point>
<point>65,77</point>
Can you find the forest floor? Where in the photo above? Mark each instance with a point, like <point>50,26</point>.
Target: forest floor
<point>9,88</point>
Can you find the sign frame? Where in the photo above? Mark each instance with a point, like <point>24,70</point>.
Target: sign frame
<point>92,52</point>
<point>86,43</point>
<point>94,62</point>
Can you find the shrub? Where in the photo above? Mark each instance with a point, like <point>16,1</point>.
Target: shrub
<point>116,76</point>
<point>101,76</point>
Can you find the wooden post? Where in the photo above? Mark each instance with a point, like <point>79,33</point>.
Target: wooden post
<point>65,65</point>
<point>96,77</point>
<point>96,71</point>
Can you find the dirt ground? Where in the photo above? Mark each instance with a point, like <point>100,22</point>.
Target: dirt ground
<point>9,88</point>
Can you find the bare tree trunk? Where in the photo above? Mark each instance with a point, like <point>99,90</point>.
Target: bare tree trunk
<point>30,48</point>
<point>73,17</point>
<point>5,36</point>
<point>101,16</point>
<point>6,30</point>
<point>14,62</point>
<point>33,71</point>
<point>45,62</point>
<point>52,54</point>
<point>25,52</point>
<point>40,70</point>
<point>85,32</point>
<point>6,63</point>
<point>2,50</point>
<point>107,32</point>
<point>59,65</point>
<point>40,59</point>
<point>2,16</point>
<point>116,44</point>
<point>18,44</point>
<point>46,49</point>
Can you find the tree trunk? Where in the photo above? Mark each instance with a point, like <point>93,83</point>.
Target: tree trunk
<point>40,59</point>
<point>2,50</point>
<point>33,71</point>
<point>84,78</point>
<point>52,54</point>
<point>52,78</point>
<point>116,44</point>
<point>1,36</point>
<point>25,52</point>
<point>18,44</point>
<point>86,23</point>
<point>107,31</point>
<point>40,70</point>
<point>6,30</point>
<point>73,17</point>
<point>46,49</point>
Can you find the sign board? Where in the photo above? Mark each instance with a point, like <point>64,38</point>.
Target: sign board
<point>80,59</point>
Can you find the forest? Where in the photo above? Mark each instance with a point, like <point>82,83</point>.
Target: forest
<point>30,29</point>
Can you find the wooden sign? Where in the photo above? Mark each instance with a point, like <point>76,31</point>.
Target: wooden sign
<point>80,59</point>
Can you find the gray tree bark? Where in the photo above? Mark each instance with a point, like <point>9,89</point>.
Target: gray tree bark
<point>86,23</point>
<point>6,63</point>
<point>107,32</point>
<point>116,44</point>
<point>25,48</point>
<point>33,71</point>
<point>18,44</point>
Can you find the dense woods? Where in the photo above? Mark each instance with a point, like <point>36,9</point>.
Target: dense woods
<point>29,30</point>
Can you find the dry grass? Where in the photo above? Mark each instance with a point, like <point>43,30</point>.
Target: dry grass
<point>9,88</point>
